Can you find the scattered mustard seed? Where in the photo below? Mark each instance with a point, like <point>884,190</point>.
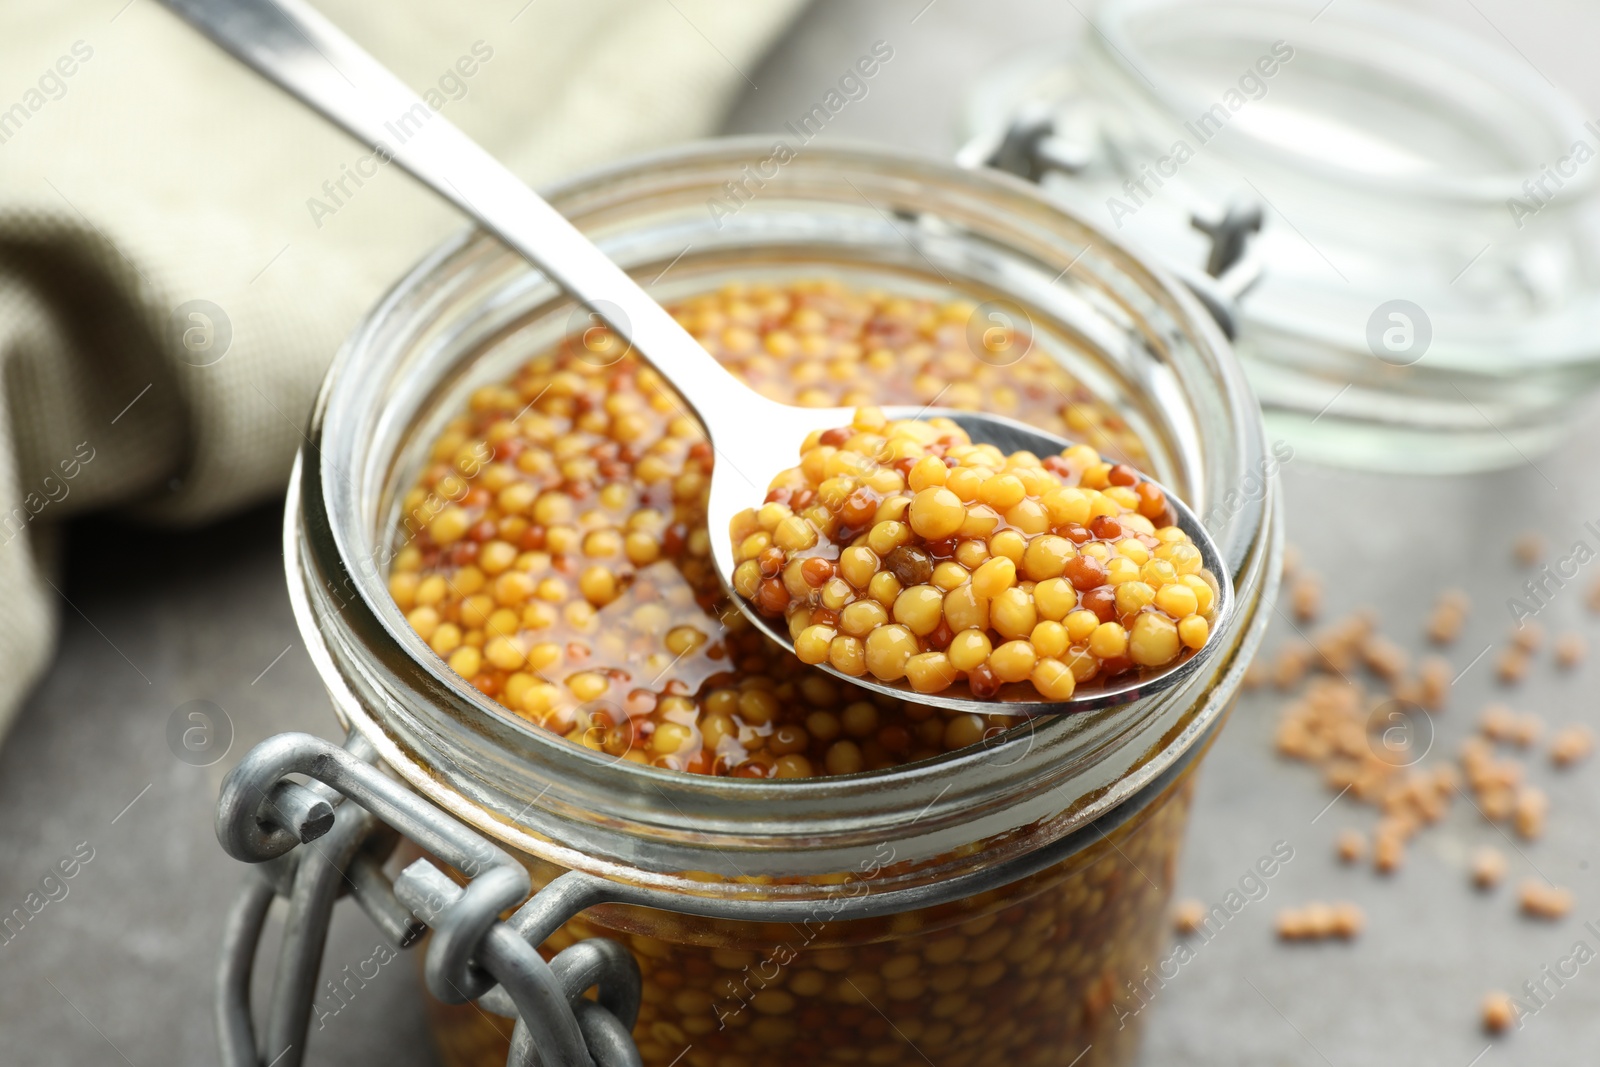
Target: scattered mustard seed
<point>1384,658</point>
<point>1388,852</point>
<point>1291,924</point>
<point>1571,744</point>
<point>1318,921</point>
<point>1294,660</point>
<point>1531,807</point>
<point>1448,616</point>
<point>1488,867</point>
<point>1512,666</point>
<point>1497,722</point>
<point>1500,723</point>
<point>1341,643</point>
<point>1541,901</point>
<point>1306,597</point>
<point>1348,920</point>
<point>1433,680</point>
<point>1187,917</point>
<point>1529,636</point>
<point>1444,623</point>
<point>1499,1012</point>
<point>1570,650</point>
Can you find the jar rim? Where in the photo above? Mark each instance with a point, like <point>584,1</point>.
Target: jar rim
<point>481,763</point>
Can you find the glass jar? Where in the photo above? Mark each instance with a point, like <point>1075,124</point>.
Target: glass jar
<point>877,917</point>
<point>1428,208</point>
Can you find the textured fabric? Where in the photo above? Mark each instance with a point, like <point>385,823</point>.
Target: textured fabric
<point>142,171</point>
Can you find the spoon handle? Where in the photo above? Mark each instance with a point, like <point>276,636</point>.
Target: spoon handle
<point>295,48</point>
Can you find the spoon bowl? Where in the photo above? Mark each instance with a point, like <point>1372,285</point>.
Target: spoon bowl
<point>757,459</point>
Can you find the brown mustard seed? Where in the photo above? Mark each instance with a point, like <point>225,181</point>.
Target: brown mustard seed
<point>1444,624</point>
<point>1529,811</point>
<point>1540,901</point>
<point>1497,802</point>
<point>1306,597</point>
<point>1399,821</point>
<point>1348,920</point>
<point>1434,674</point>
<point>1388,853</point>
<point>1488,867</point>
<point>1341,644</point>
<point>1512,666</point>
<point>1187,917</point>
<point>1318,921</point>
<point>1570,650</point>
<point>1497,722</point>
<point>1292,663</point>
<point>1352,846</point>
<point>1528,636</point>
<point>1571,744</point>
<point>1407,689</point>
<point>1448,617</point>
<point>1499,1012</point>
<point>1384,658</point>
<point>910,565</point>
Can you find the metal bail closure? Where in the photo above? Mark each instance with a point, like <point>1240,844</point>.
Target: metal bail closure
<point>1031,147</point>
<point>351,816</point>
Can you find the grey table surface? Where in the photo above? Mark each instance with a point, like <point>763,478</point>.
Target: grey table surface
<point>120,970</point>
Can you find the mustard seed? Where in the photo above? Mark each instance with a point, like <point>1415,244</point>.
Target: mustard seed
<point>1305,597</point>
<point>1488,867</point>
<point>1571,744</point>
<point>1529,636</point>
<point>1528,548</point>
<point>1388,852</point>
<point>1530,808</point>
<point>1499,1011</point>
<point>1187,916</point>
<point>1512,665</point>
<point>1570,650</point>
<point>1541,901</point>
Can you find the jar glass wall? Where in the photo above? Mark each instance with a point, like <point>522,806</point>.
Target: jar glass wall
<point>1052,969</point>
<point>978,824</point>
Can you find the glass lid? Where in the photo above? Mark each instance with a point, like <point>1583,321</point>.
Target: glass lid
<point>1427,201</point>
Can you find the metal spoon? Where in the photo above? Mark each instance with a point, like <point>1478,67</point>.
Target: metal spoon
<point>755,438</point>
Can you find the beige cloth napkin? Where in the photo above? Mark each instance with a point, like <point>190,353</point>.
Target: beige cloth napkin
<point>182,248</point>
